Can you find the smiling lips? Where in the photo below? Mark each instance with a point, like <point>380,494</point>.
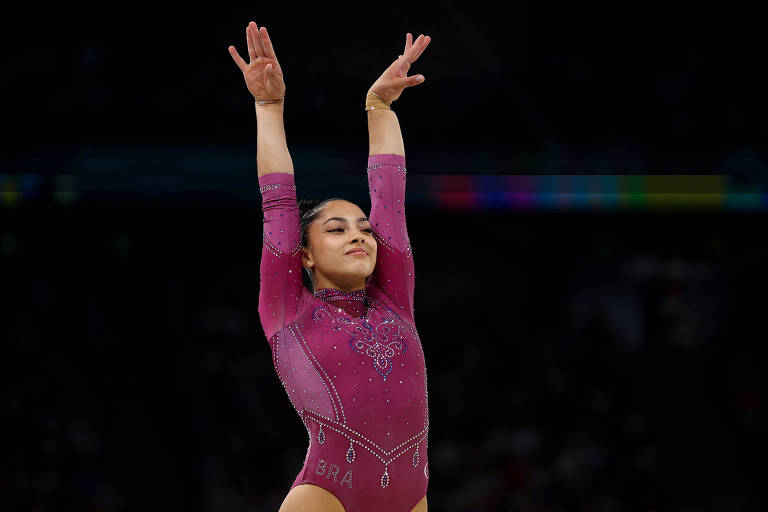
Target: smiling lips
<point>357,251</point>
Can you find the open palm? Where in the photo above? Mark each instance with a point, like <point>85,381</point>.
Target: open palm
<point>395,78</point>
<point>262,74</point>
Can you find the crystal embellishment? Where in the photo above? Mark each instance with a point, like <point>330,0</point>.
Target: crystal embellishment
<point>381,340</point>
<point>415,460</point>
<point>321,435</point>
<point>384,479</point>
<point>351,454</point>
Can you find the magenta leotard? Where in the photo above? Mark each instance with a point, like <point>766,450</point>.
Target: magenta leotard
<point>351,363</point>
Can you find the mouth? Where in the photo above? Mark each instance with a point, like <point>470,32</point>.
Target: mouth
<point>357,251</point>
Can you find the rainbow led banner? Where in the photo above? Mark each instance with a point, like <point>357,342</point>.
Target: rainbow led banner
<point>448,192</point>
<point>588,192</point>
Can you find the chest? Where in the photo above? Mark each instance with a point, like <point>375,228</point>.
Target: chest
<point>376,347</point>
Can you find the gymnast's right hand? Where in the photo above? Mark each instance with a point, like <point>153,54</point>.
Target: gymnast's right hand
<point>262,74</point>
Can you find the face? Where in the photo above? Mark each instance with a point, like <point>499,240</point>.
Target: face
<point>337,230</point>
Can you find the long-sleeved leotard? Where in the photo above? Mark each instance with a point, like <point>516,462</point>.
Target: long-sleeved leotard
<point>351,363</point>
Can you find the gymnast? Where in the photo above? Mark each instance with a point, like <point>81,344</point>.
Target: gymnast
<point>342,336</point>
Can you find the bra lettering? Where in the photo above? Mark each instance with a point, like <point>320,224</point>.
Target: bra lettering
<point>347,478</point>
<point>333,470</point>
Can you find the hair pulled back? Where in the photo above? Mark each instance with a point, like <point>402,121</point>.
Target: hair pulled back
<point>309,211</point>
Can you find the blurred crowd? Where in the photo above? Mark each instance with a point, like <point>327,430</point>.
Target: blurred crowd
<point>582,372</point>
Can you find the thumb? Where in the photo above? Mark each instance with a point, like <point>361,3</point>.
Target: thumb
<point>413,80</point>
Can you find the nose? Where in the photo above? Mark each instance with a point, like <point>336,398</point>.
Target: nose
<point>359,236</point>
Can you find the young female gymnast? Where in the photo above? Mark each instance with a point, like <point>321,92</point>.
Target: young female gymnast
<point>346,349</point>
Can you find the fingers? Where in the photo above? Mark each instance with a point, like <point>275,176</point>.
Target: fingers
<point>269,50</point>
<point>408,41</point>
<point>256,32</point>
<point>426,42</point>
<point>418,47</point>
<point>237,58</point>
<point>257,39</point>
<point>251,47</point>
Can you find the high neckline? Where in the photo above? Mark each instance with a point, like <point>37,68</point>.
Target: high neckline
<point>355,303</point>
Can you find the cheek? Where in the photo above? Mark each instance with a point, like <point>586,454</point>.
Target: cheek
<point>331,246</point>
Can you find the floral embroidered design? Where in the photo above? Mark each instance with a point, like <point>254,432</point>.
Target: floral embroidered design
<point>381,341</point>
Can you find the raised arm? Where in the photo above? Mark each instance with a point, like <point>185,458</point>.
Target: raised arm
<point>264,79</point>
<point>384,135</point>
<point>280,270</point>
<point>394,271</point>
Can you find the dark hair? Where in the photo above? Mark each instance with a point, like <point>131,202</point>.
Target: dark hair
<point>309,211</point>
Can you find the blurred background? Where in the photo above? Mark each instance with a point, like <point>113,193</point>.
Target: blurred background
<point>587,195</point>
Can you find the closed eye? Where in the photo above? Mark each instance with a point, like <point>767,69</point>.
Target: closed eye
<point>369,230</point>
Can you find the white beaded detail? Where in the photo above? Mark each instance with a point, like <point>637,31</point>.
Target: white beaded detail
<point>273,186</point>
<point>379,165</point>
<point>385,456</point>
<point>321,435</point>
<point>326,381</point>
<point>379,239</point>
<point>276,358</point>
<point>351,453</point>
<point>275,251</point>
<point>381,340</point>
<point>384,478</point>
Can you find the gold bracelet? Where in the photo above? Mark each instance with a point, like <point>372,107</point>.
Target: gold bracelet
<point>375,102</point>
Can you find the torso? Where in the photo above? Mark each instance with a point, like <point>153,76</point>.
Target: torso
<point>359,385</point>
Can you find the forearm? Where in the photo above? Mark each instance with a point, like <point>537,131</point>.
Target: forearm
<point>271,147</point>
<point>384,135</point>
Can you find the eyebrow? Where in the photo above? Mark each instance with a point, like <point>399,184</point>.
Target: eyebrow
<point>342,219</point>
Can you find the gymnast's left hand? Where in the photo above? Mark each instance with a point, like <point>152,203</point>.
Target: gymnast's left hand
<point>395,78</point>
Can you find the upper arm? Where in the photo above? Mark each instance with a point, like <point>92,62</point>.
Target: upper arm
<point>394,271</point>
<point>280,289</point>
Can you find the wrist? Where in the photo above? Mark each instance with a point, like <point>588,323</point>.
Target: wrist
<point>268,102</point>
<point>374,101</point>
<point>268,106</point>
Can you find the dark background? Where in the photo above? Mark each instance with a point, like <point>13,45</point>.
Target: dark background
<point>577,360</point>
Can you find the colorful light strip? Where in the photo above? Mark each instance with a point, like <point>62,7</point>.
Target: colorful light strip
<point>459,192</point>
<point>590,192</point>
